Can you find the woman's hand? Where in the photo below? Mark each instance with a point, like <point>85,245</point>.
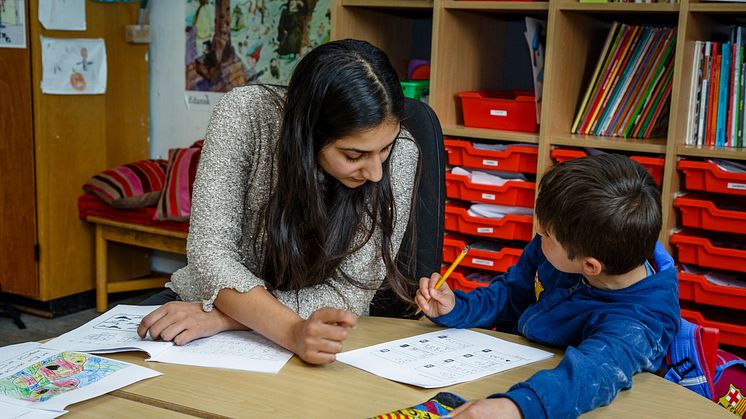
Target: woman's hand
<point>432,302</point>
<point>503,408</point>
<point>318,339</point>
<point>182,322</point>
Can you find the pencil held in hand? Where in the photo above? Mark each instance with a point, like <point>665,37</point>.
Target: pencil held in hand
<point>449,270</point>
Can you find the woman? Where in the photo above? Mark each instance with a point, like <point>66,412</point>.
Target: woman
<point>300,205</point>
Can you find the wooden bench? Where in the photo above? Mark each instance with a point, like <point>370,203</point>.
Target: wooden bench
<point>147,237</point>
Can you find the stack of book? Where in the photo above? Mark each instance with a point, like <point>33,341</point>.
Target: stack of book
<point>716,114</point>
<point>629,93</point>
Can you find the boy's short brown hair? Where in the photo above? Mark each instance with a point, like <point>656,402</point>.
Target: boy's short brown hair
<point>605,206</point>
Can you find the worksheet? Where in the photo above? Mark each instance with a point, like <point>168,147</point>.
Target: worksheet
<point>442,358</point>
<point>48,379</point>
<point>116,331</point>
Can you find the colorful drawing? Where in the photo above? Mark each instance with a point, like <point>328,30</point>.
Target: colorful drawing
<point>231,43</point>
<point>61,373</point>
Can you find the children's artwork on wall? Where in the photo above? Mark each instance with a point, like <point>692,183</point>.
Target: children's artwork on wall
<point>12,24</point>
<point>73,66</point>
<point>64,15</point>
<point>231,43</point>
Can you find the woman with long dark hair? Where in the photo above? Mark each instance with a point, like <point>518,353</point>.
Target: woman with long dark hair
<point>300,205</point>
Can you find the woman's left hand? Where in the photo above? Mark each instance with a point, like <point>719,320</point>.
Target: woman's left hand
<point>182,322</point>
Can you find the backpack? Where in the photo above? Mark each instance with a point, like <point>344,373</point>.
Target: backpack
<point>694,362</point>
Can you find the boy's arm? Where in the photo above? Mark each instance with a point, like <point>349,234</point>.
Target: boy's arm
<point>502,301</point>
<point>591,375</point>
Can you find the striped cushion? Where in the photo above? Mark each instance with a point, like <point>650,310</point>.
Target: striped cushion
<point>176,200</point>
<point>134,185</point>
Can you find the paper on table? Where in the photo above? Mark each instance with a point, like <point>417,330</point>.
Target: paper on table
<point>442,358</point>
<point>19,412</point>
<point>34,377</point>
<point>237,350</point>
<point>113,331</point>
<point>116,331</point>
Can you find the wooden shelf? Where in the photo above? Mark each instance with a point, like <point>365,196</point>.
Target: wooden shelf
<point>711,152</point>
<point>732,8</point>
<point>390,4</point>
<point>490,134</point>
<point>650,145</point>
<point>504,6</point>
<point>620,7</point>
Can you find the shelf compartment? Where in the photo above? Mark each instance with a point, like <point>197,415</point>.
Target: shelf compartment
<point>513,192</point>
<point>715,8</point>
<point>697,288</point>
<point>708,177</point>
<point>701,211</point>
<point>654,165</point>
<point>731,333</point>
<point>494,261</point>
<point>458,281</point>
<point>490,134</point>
<point>699,249</point>
<point>620,7</point>
<point>509,227</point>
<point>515,158</point>
<point>390,4</point>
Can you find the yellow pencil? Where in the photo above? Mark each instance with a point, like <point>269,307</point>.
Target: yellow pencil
<point>450,269</point>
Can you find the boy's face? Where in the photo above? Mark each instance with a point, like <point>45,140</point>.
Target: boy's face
<point>556,254</point>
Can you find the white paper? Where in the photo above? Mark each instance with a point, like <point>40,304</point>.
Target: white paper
<point>73,66</point>
<point>236,350</point>
<point>497,211</point>
<point>19,412</point>
<point>34,377</point>
<point>499,147</point>
<point>113,331</point>
<point>116,331</point>
<point>489,178</point>
<point>729,166</point>
<point>13,24</point>
<point>442,358</point>
<point>64,15</point>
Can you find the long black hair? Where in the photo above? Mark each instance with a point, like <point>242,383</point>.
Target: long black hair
<point>311,219</point>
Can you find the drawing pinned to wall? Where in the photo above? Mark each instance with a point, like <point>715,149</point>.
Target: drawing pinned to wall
<point>73,66</point>
<point>64,15</point>
<point>12,24</point>
<point>231,43</point>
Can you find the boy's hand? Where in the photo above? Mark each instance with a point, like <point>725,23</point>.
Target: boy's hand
<point>432,302</point>
<point>487,408</point>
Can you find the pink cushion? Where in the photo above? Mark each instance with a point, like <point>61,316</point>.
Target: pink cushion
<point>176,200</point>
<point>134,185</point>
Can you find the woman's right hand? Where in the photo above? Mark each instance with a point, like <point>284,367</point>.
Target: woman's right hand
<point>182,322</point>
<point>432,302</point>
<point>318,339</point>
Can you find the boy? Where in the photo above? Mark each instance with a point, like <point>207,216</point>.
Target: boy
<point>583,283</point>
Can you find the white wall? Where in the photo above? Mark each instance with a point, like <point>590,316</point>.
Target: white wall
<point>171,123</point>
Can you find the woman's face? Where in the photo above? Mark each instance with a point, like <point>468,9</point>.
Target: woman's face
<point>358,158</point>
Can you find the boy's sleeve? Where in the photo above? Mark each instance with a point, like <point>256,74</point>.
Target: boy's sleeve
<point>503,300</point>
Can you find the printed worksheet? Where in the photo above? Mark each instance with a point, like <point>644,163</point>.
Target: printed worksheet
<point>113,331</point>
<point>116,331</point>
<point>38,378</point>
<point>442,358</point>
<point>19,412</point>
<point>237,350</point>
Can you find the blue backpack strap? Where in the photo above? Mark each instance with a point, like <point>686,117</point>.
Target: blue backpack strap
<point>684,365</point>
<point>722,367</point>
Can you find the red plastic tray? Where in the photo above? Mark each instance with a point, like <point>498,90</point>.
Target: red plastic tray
<point>511,110</point>
<point>480,259</point>
<point>653,164</point>
<point>697,288</point>
<point>732,328</point>
<point>513,192</point>
<point>705,176</point>
<point>509,227</point>
<point>457,280</point>
<point>700,251</point>
<point>700,211</point>
<point>516,158</point>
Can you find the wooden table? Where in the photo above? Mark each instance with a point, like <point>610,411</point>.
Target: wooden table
<point>115,407</point>
<point>338,390</point>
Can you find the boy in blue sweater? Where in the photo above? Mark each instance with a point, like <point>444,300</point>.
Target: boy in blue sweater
<point>584,283</point>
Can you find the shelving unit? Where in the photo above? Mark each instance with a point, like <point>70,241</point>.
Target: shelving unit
<point>469,53</point>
